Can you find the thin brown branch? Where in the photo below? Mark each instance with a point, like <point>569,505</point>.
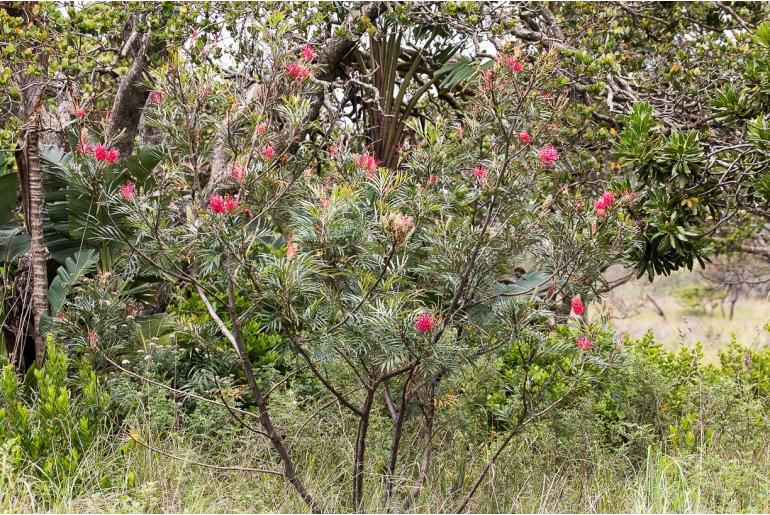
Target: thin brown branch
<point>223,468</point>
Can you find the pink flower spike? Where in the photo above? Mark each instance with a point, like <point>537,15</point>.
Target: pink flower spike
<point>480,172</point>
<point>577,305</point>
<point>604,203</point>
<point>298,72</point>
<point>514,64</point>
<point>308,52</point>
<point>231,204</point>
<point>584,343</point>
<point>268,152</point>
<point>291,249</point>
<point>79,112</point>
<point>608,197</point>
<point>113,155</point>
<point>100,152</point>
<point>370,164</point>
<point>128,190</point>
<point>261,129</point>
<point>237,172</point>
<point>84,148</point>
<point>424,323</point>
<point>156,97</point>
<point>217,204</point>
<point>524,137</point>
<point>548,155</point>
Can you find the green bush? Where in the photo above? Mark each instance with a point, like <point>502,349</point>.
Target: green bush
<point>46,427</point>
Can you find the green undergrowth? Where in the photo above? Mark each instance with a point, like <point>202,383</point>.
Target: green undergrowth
<point>663,433</point>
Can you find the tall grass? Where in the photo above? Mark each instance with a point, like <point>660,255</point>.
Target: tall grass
<point>120,476</point>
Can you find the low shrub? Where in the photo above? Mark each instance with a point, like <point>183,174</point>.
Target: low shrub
<point>48,421</point>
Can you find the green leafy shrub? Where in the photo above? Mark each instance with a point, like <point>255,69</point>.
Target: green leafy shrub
<point>748,367</point>
<point>47,428</point>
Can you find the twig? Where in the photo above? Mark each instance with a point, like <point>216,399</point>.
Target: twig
<point>201,464</point>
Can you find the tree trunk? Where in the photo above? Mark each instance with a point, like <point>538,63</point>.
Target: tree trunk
<point>289,468</point>
<point>131,98</point>
<point>38,252</point>
<point>360,450</point>
<point>395,443</point>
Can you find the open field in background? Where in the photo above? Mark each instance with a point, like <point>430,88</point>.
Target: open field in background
<point>636,308</point>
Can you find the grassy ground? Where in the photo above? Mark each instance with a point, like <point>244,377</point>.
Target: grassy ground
<point>137,480</point>
<point>635,313</point>
<point>559,465</point>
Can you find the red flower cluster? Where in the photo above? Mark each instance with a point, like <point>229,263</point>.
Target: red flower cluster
<point>604,203</point>
<point>128,190</point>
<point>298,72</point>
<point>369,163</point>
<point>424,323</point>
<point>510,62</point>
<point>577,305</point>
<point>102,153</point>
<point>220,205</point>
<point>308,52</point>
<point>79,112</point>
<point>548,156</point>
<point>261,129</point>
<point>514,64</point>
<point>525,137</point>
<point>237,172</point>
<point>268,152</point>
<point>584,343</point>
<point>480,172</point>
<point>156,97</point>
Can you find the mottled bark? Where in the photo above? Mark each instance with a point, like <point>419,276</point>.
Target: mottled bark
<point>337,49</point>
<point>130,100</point>
<point>55,124</point>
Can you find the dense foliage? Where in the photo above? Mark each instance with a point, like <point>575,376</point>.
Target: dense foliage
<point>391,218</point>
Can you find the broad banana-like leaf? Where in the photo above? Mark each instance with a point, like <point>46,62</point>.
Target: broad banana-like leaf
<point>13,243</point>
<point>530,283</point>
<point>69,275</point>
<point>8,182</point>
